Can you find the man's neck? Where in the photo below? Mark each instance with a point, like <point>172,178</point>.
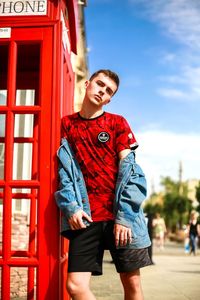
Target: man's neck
<point>90,114</point>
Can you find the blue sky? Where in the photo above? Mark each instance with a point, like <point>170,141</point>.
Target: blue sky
<point>154,46</point>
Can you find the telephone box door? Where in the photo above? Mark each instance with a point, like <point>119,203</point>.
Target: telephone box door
<point>28,216</point>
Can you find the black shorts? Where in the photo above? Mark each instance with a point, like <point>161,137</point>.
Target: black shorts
<point>86,250</point>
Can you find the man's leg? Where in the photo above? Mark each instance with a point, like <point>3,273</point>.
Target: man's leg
<point>78,286</point>
<point>85,258</point>
<point>132,285</point>
<point>128,263</point>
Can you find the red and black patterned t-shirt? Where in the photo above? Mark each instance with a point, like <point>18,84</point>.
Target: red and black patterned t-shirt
<point>96,143</point>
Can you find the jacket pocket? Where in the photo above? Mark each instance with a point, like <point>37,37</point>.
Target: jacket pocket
<point>139,227</point>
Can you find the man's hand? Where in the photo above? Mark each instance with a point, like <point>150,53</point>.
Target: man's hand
<point>122,235</point>
<point>76,220</point>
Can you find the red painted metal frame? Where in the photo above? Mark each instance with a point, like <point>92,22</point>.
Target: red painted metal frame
<point>56,93</point>
<point>62,72</point>
<point>45,258</point>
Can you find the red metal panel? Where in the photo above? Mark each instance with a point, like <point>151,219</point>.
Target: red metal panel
<point>30,295</point>
<point>54,98</point>
<point>64,76</point>
<point>45,259</point>
<point>47,238</point>
<point>8,172</point>
<point>72,7</point>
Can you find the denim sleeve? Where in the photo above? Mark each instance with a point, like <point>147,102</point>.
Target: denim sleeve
<point>131,197</point>
<point>65,197</point>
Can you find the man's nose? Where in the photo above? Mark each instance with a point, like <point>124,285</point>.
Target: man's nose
<point>101,93</point>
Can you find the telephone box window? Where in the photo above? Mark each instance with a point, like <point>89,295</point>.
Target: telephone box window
<point>3,97</point>
<point>0,277</point>
<point>24,221</point>
<point>18,283</point>
<point>22,161</point>
<point>25,97</point>
<point>23,125</point>
<point>2,125</point>
<point>1,219</point>
<point>28,68</point>
<point>3,73</point>
<point>2,160</point>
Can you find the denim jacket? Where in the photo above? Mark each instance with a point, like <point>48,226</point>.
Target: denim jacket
<point>130,193</point>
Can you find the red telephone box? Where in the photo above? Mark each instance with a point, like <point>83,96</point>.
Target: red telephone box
<point>36,89</point>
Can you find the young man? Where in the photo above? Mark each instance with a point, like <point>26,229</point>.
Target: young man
<point>101,191</point>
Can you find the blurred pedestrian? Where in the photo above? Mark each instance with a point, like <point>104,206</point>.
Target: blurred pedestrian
<point>194,231</point>
<point>186,238</point>
<point>149,217</point>
<point>159,231</point>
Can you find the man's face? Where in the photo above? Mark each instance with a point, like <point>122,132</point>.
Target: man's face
<point>100,89</point>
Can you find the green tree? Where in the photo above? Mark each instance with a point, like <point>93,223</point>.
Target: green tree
<point>152,209</point>
<point>169,210</point>
<point>176,204</point>
<point>183,207</point>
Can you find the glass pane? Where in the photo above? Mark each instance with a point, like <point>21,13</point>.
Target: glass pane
<point>28,66</point>
<point>2,125</point>
<point>24,220</point>
<point>0,280</point>
<point>4,50</point>
<point>1,220</point>
<point>23,125</point>
<point>25,97</point>
<point>20,225</point>
<point>22,161</point>
<point>19,283</point>
<point>2,159</point>
<point>3,97</point>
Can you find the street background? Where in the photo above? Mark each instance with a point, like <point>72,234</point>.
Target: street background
<point>174,276</point>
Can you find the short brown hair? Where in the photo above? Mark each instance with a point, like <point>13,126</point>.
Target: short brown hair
<point>108,73</point>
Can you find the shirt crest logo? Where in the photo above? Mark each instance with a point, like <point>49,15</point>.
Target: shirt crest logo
<point>103,137</point>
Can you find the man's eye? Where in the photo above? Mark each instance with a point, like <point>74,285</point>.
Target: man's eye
<point>100,83</point>
<point>110,92</point>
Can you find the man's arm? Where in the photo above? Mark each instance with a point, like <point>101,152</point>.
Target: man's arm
<point>66,198</point>
<point>122,233</point>
<point>67,202</point>
<point>122,154</point>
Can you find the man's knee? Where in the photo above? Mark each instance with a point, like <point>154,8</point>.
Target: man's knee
<point>73,286</point>
<point>131,280</point>
<point>76,286</point>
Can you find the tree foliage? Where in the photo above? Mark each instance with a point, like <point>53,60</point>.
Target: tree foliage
<point>176,205</point>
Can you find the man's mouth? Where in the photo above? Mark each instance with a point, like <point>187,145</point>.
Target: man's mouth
<point>98,98</point>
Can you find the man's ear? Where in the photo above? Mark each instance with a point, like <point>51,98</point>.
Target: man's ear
<point>87,82</point>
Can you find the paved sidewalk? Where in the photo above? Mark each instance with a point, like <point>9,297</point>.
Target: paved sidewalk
<point>175,276</point>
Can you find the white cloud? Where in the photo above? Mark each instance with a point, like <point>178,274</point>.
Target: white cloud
<point>160,153</point>
<point>172,93</point>
<point>173,79</point>
<point>180,21</point>
<point>185,87</point>
<point>169,57</point>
